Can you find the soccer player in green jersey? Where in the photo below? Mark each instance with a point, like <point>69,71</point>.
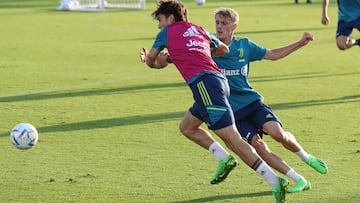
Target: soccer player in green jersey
<point>348,19</point>
<point>253,117</point>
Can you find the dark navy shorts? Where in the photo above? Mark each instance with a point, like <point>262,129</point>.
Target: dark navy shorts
<point>250,120</point>
<point>346,28</point>
<point>211,104</point>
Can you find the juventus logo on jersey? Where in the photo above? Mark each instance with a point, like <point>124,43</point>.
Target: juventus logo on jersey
<point>241,52</point>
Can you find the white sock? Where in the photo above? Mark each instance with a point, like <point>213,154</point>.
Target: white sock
<point>293,175</point>
<point>217,150</point>
<point>265,171</point>
<point>303,155</point>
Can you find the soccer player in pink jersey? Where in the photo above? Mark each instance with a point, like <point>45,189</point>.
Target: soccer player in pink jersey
<point>191,48</point>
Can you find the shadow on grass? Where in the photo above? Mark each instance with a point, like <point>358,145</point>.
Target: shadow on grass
<point>111,122</point>
<point>340,100</point>
<point>81,93</point>
<point>153,118</point>
<point>297,76</point>
<point>162,117</point>
<point>225,197</point>
<point>92,92</point>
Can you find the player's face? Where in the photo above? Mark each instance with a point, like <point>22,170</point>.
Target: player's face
<point>224,28</point>
<point>164,21</point>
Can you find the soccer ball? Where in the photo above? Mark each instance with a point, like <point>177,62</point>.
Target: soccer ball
<point>199,2</point>
<point>24,136</point>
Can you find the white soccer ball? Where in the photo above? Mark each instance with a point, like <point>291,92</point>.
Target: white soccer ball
<point>199,2</point>
<point>24,136</point>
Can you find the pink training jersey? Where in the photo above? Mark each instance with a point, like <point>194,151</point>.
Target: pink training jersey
<point>189,48</point>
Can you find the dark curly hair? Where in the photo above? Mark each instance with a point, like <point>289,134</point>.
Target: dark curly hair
<point>168,7</point>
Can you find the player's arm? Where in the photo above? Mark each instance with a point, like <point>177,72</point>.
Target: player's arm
<point>278,53</point>
<point>221,49</point>
<point>154,58</point>
<point>325,17</point>
<point>217,47</point>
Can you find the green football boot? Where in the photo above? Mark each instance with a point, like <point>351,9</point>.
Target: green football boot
<point>300,185</point>
<point>279,191</point>
<point>224,167</point>
<point>317,164</point>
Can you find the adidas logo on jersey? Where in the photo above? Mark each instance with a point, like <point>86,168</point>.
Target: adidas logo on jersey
<point>191,32</point>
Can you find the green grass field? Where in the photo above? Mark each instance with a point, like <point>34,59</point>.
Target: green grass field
<point>108,125</point>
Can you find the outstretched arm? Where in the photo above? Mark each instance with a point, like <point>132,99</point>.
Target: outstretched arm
<point>154,58</point>
<point>278,53</point>
<point>325,17</point>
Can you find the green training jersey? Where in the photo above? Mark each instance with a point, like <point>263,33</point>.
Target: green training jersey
<point>236,66</point>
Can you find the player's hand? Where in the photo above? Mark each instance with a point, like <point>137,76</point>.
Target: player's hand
<point>325,20</point>
<point>306,38</point>
<point>143,54</point>
<point>162,59</point>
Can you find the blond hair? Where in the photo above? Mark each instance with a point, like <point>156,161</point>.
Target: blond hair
<point>228,13</point>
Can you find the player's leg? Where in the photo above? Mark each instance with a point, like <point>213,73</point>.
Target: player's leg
<point>251,135</point>
<point>289,141</point>
<point>211,93</point>
<point>279,164</point>
<point>248,155</point>
<point>271,158</point>
<point>268,122</point>
<point>190,127</point>
<point>274,129</point>
<point>344,40</point>
<point>263,119</point>
<point>233,141</point>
